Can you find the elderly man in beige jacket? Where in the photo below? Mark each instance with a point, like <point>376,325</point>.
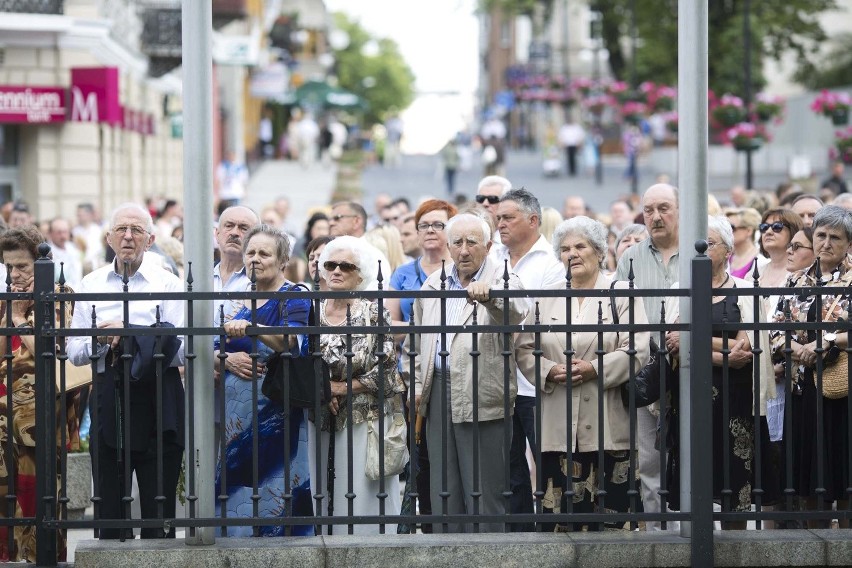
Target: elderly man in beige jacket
<point>444,377</point>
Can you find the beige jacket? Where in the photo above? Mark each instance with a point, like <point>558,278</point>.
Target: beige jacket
<point>584,397</point>
<point>427,311</point>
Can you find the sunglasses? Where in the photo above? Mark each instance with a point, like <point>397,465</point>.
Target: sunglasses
<point>776,227</point>
<point>492,199</point>
<point>344,266</point>
<point>796,246</point>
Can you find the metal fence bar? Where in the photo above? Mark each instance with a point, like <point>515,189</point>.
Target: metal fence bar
<point>702,417</point>
<point>45,413</point>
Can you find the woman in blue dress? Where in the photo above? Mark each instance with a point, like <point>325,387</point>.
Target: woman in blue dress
<point>265,253</point>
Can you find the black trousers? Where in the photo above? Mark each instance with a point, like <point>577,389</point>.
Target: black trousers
<point>571,159</point>
<point>523,430</point>
<point>144,463</point>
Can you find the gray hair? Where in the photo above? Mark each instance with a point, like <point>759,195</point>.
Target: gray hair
<point>469,218</point>
<point>364,253</point>
<point>722,226</point>
<point>282,241</point>
<point>146,215</point>
<point>629,231</point>
<point>593,231</point>
<point>526,201</point>
<point>834,217</point>
<point>842,198</point>
<point>504,184</point>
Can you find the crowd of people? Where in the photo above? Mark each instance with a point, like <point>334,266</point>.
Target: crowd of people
<point>791,239</point>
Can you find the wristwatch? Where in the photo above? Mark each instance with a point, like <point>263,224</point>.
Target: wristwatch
<point>830,337</point>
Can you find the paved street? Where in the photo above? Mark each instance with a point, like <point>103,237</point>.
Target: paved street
<point>419,177</point>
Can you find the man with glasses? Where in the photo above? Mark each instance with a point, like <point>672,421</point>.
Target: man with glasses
<point>130,236</point>
<point>531,258</point>
<point>655,266</point>
<point>488,194</point>
<point>347,218</point>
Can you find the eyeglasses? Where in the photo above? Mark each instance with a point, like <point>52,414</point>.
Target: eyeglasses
<point>437,226</point>
<point>492,199</point>
<point>796,246</point>
<point>711,244</point>
<point>776,227</point>
<point>135,230</point>
<point>339,217</point>
<point>344,266</point>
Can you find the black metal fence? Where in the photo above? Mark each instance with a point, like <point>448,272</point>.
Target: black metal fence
<point>695,401</point>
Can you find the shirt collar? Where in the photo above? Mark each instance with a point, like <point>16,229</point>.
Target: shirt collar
<point>144,270</point>
<point>454,275</point>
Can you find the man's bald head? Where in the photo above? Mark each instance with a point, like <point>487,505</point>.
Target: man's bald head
<point>660,212</point>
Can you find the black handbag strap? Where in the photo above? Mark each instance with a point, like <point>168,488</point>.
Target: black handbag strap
<point>612,303</point>
<point>312,316</point>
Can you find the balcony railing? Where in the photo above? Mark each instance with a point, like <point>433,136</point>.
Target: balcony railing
<point>33,6</point>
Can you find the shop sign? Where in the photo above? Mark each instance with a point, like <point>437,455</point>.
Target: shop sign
<point>32,105</point>
<point>94,95</point>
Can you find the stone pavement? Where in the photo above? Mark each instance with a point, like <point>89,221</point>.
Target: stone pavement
<point>306,188</point>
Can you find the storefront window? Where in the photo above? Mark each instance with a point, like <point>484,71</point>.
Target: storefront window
<point>9,136</point>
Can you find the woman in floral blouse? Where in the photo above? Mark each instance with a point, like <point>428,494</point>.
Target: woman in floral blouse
<point>347,263</point>
<point>18,251</point>
<point>832,235</point>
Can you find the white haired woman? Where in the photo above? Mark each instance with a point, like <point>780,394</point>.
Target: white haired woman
<point>832,236</point>
<point>581,245</point>
<point>347,264</point>
<point>739,396</point>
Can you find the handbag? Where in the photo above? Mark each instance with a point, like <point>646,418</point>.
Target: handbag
<point>298,375</point>
<point>396,448</point>
<point>835,377</point>
<point>835,371</point>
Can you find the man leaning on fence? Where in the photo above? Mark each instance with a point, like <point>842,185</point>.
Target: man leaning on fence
<point>444,380</point>
<point>130,235</point>
<point>655,265</point>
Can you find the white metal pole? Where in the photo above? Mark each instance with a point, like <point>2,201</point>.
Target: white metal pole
<point>692,184</point>
<point>197,31</point>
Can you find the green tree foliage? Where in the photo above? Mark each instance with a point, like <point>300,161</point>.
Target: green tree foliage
<point>777,26</point>
<point>832,71</point>
<point>385,81</point>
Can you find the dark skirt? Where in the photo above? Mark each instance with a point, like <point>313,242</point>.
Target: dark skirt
<point>584,479</point>
<point>833,429</point>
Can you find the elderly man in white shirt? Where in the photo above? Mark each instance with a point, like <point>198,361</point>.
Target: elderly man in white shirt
<point>130,236</point>
<point>531,258</point>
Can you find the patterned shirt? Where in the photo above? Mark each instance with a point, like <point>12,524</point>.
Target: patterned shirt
<point>365,365</point>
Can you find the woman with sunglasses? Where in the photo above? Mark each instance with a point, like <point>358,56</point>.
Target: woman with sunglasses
<point>832,269</point>
<point>744,223</point>
<point>347,264</point>
<point>777,228</point>
<point>800,250</point>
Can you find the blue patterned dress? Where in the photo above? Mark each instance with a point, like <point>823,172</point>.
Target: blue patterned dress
<point>273,427</point>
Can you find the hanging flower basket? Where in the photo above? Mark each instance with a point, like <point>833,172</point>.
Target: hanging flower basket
<point>729,111</point>
<point>596,104</point>
<point>633,112</point>
<point>834,106</point>
<point>672,120</point>
<point>768,108</point>
<point>843,145</point>
<point>840,116</point>
<point>746,136</point>
<point>664,99</point>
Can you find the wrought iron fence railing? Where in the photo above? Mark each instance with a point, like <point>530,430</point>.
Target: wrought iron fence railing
<point>273,472</point>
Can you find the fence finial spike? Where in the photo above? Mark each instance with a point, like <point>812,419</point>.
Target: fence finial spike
<point>189,278</point>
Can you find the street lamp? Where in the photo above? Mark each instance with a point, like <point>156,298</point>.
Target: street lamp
<point>634,176</point>
<point>597,136</point>
<point>747,87</point>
